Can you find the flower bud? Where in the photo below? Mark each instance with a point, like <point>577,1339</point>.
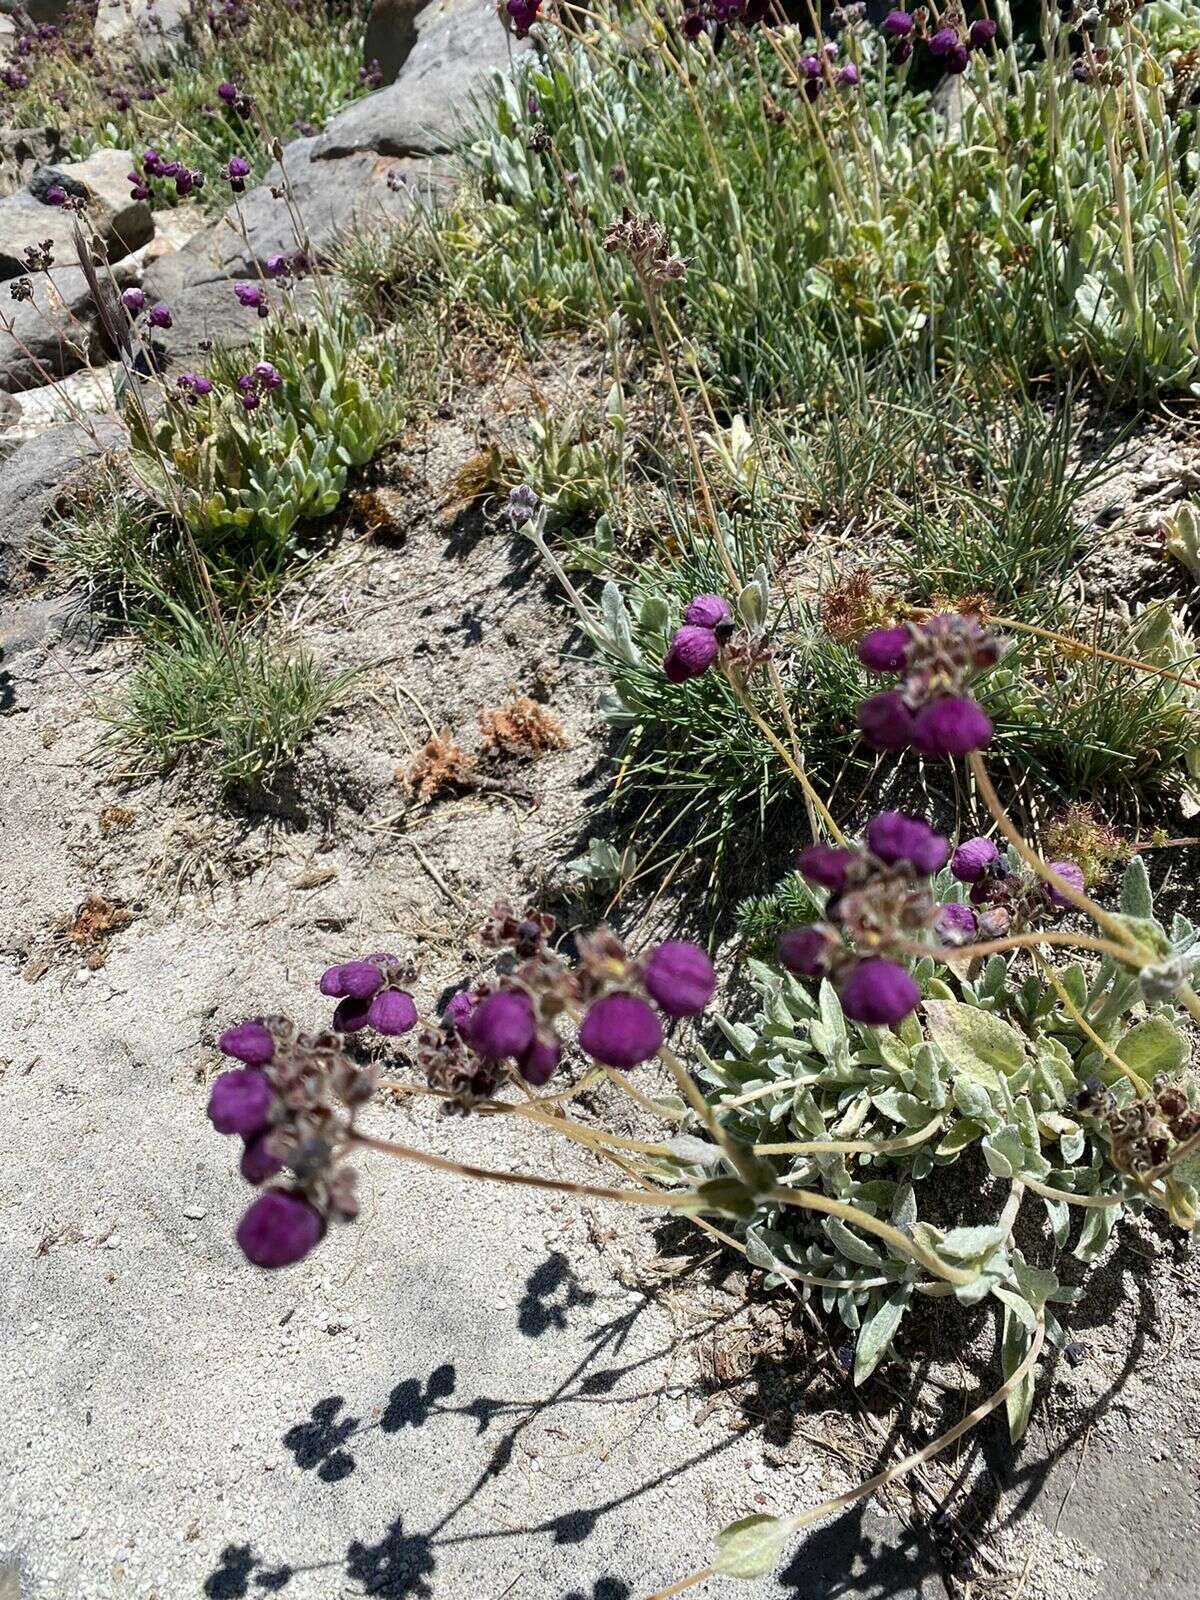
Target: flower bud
<point>538,1064</point>
<point>951,727</point>
<point>885,722</point>
<point>897,24</point>
<point>981,32</point>
<point>357,979</point>
<point>973,860</point>
<point>1070,873</point>
<point>258,1164</point>
<point>804,951</point>
<point>240,1102</point>
<point>620,1031</point>
<point>393,1011</point>
<point>279,1229</point>
<point>893,837</point>
<point>955,923</point>
<point>458,1010</point>
<point>680,978</point>
<point>502,1025</point>
<point>956,59</point>
<point>826,865</point>
<point>879,992</point>
<point>693,650</point>
<point>885,650</point>
<point>250,1042</point>
<point>943,41</point>
<point>707,611</point>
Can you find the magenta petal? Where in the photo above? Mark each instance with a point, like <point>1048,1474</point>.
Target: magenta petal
<point>708,611</point>
<point>974,859</point>
<point>680,978</point>
<point>250,1042</point>
<point>804,951</point>
<point>621,1031</point>
<point>694,649</point>
<point>258,1164</point>
<point>1071,873</point>
<point>826,865</point>
<point>893,837</point>
<point>538,1064</point>
<point>952,726</point>
<point>885,650</point>
<point>279,1229</point>
<point>392,1012</point>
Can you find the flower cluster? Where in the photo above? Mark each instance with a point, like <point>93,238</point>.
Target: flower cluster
<point>134,301</point>
<point>371,993</point>
<point>937,660</point>
<point>879,895</point>
<point>292,1103</point>
<point>705,16</point>
<point>1007,901</point>
<point>254,297</point>
<point>947,39</point>
<point>707,625</point>
<point>234,99</point>
<point>1147,1133</point>
<point>237,170</point>
<point>622,1002</point>
<point>154,167</point>
<point>262,379</point>
<point>292,265</point>
<point>371,76</point>
<point>820,71</point>
<point>643,240</point>
<point>193,386</point>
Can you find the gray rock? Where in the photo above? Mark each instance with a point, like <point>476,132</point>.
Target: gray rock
<point>123,224</point>
<point>53,334</point>
<point>150,30</point>
<point>391,35</point>
<point>460,44</point>
<point>331,198</point>
<point>24,149</point>
<point>34,479</point>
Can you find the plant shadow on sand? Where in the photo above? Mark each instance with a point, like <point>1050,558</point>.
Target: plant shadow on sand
<point>861,1553</point>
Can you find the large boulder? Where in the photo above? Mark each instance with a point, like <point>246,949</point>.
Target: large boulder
<point>460,44</point>
<point>56,331</point>
<point>152,31</point>
<point>391,35</point>
<point>35,478</point>
<point>122,223</point>
<point>331,198</point>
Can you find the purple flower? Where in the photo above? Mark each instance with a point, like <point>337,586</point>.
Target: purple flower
<point>458,1010</point>
<point>251,1042</point>
<point>957,59</point>
<point>250,295</point>
<point>538,1064</point>
<point>502,1025</point>
<point>257,1163</point>
<point>524,14</point>
<point>275,266</point>
<point>897,24</point>
<point>621,1031</point>
<point>951,727</point>
<point>879,993</point>
<point>279,1229</point>
<point>902,50</point>
<point>885,722</point>
<point>250,401</point>
<point>810,66</point>
<point>707,611</point>
<point>942,41</point>
<point>357,979</point>
<point>152,162</point>
<point>159,316</point>
<point>240,1102</point>
<point>825,864</point>
<point>693,650</point>
<point>393,1011</point>
<point>139,191</point>
<point>227,92</point>
<point>134,300</point>
<point>885,650</point>
<point>973,860</point>
<point>804,951</point>
<point>955,923</point>
<point>981,33</point>
<point>237,170</point>
<point>680,978</point>
<point>266,376</point>
<point>894,837</point>
<point>848,75</point>
<point>349,1015</point>
<point>195,382</point>
<point>55,195</point>
<point>1070,873</point>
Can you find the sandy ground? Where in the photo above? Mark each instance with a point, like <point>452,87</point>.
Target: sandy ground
<point>470,1392</point>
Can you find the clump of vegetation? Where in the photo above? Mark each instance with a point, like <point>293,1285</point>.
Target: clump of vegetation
<point>285,68</point>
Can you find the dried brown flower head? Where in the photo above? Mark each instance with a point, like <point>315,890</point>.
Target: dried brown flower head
<point>522,728</point>
<point>442,767</point>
